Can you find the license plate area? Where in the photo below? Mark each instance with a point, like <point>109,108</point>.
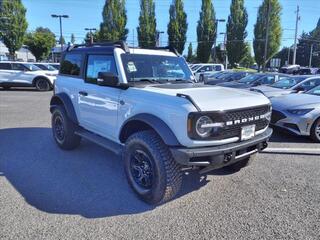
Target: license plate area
<point>248,132</point>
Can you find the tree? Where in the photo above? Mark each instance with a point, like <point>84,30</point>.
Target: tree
<point>206,31</point>
<point>13,24</point>
<point>95,35</point>
<point>177,26</point>
<point>147,33</point>
<point>247,60</point>
<point>113,26</point>
<point>63,41</point>
<point>260,28</point>
<point>40,42</point>
<point>190,56</point>
<point>73,38</point>
<point>236,32</point>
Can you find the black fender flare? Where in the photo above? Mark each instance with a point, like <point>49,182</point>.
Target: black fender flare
<point>161,128</point>
<point>64,100</point>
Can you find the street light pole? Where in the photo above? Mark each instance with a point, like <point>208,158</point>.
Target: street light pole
<point>90,32</point>
<point>60,21</point>
<point>311,53</point>
<point>215,40</point>
<point>296,36</point>
<point>225,49</point>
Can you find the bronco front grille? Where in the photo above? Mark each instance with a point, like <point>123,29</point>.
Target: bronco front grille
<point>233,117</point>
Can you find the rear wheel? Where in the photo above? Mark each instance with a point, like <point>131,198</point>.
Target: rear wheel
<point>63,129</point>
<point>241,164</point>
<point>201,78</point>
<point>151,170</point>
<point>42,84</point>
<point>315,131</point>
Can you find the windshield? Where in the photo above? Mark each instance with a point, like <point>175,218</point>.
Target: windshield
<point>31,67</point>
<point>142,67</point>
<point>288,82</point>
<point>224,75</point>
<point>55,66</point>
<point>314,91</point>
<point>250,78</point>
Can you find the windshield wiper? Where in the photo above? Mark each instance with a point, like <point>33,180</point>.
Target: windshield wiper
<point>183,80</point>
<point>151,80</point>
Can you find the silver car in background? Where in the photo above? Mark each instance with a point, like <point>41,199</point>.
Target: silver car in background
<point>298,113</point>
<point>288,85</point>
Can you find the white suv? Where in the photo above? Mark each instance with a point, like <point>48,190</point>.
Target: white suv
<point>20,74</point>
<point>144,105</point>
<point>206,69</point>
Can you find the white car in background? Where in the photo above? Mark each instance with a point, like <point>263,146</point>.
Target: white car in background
<point>298,113</point>
<point>288,85</point>
<point>21,74</point>
<point>47,67</point>
<point>206,69</point>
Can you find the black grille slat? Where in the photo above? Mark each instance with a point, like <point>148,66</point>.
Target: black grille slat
<point>235,130</point>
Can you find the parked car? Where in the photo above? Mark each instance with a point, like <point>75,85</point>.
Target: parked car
<point>21,74</point>
<point>227,77</point>
<point>46,67</point>
<point>215,75</point>
<point>254,80</point>
<point>156,123</point>
<point>290,69</point>
<point>298,113</point>
<point>288,85</point>
<point>55,65</point>
<point>207,69</point>
<point>307,71</point>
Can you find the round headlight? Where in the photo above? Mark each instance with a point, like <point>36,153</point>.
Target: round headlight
<point>203,127</point>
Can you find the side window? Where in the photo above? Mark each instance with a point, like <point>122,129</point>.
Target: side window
<point>99,63</point>
<point>71,64</point>
<point>18,67</point>
<point>267,80</point>
<point>310,84</point>
<point>5,66</point>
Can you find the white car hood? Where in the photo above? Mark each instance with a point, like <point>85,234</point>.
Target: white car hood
<point>295,101</point>
<point>213,98</point>
<point>271,91</point>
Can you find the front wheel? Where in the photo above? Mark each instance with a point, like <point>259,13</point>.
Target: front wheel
<point>151,170</point>
<point>315,131</point>
<point>63,129</point>
<point>42,84</point>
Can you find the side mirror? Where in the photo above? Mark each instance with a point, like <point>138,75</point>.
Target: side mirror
<point>107,79</point>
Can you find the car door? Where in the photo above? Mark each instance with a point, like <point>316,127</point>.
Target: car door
<point>5,72</point>
<point>20,75</point>
<point>98,105</point>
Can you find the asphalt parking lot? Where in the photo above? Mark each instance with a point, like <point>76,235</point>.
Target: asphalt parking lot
<point>47,193</point>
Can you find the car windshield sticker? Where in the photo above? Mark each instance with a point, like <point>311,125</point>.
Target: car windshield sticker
<point>131,67</point>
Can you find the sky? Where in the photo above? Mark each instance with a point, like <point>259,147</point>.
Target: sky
<point>87,14</point>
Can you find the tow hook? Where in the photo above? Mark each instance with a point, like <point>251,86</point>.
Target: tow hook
<point>227,158</point>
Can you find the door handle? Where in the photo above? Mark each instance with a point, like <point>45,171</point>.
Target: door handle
<point>83,93</point>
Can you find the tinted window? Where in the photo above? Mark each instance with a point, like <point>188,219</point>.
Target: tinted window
<point>43,67</point>
<point>267,80</point>
<point>5,66</point>
<point>18,66</point>
<point>310,84</point>
<point>71,64</point>
<point>99,63</point>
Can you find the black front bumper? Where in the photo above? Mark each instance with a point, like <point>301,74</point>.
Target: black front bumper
<point>223,155</point>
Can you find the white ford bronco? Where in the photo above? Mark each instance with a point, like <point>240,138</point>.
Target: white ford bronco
<point>144,105</point>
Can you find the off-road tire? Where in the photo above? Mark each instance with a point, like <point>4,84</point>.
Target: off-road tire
<point>315,127</point>
<point>236,167</point>
<point>69,140</point>
<point>167,176</point>
<point>42,85</point>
